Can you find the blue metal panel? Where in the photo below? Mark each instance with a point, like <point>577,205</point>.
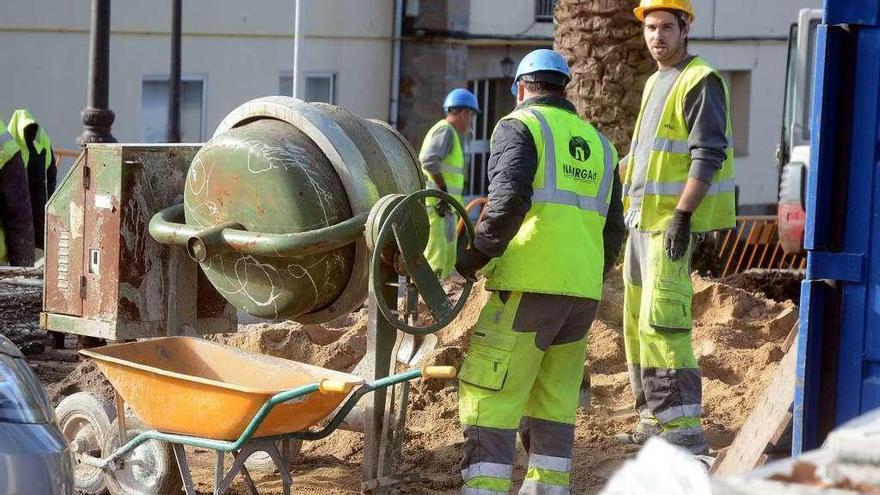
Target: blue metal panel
<point>835,266</point>
<point>819,176</point>
<point>860,317</point>
<point>862,12</point>
<point>806,393</point>
<point>839,337</point>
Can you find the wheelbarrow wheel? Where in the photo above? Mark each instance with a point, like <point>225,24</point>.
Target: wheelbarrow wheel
<point>84,418</point>
<point>261,462</point>
<point>149,469</point>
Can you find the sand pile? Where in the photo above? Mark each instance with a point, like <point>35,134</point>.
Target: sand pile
<point>738,338</point>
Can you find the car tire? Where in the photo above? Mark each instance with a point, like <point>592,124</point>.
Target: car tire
<point>84,419</point>
<point>156,471</point>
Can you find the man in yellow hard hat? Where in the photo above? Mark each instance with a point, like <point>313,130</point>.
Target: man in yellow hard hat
<point>678,182</point>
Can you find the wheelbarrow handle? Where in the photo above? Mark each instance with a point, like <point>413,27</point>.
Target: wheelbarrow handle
<point>438,372</point>
<point>327,385</point>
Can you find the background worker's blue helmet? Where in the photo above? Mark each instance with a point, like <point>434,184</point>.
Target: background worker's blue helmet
<point>460,97</point>
<point>542,65</point>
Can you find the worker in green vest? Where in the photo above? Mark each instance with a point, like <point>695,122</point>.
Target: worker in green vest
<point>443,162</point>
<point>552,227</point>
<point>39,160</point>
<point>16,219</point>
<point>678,183</point>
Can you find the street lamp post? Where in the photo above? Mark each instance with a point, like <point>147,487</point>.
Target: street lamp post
<point>97,118</point>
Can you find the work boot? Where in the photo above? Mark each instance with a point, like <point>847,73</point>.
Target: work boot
<point>644,430</point>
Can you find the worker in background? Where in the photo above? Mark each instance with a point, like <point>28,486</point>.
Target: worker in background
<point>678,182</point>
<point>39,160</point>
<point>442,158</point>
<point>552,227</point>
<point>16,218</point>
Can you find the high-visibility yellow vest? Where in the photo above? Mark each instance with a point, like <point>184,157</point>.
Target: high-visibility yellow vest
<point>451,166</point>
<point>22,118</point>
<point>670,160</point>
<point>559,248</point>
<point>8,149</point>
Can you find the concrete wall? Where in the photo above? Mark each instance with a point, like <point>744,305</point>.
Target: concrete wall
<point>239,50</point>
<point>739,36</point>
<point>506,18</point>
<point>742,18</point>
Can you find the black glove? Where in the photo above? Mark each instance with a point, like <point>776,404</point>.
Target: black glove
<point>469,261</point>
<point>678,234</point>
<point>442,208</point>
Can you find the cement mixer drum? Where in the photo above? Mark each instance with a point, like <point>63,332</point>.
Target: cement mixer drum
<point>275,203</point>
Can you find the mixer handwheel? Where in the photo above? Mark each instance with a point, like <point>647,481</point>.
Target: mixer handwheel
<point>404,219</point>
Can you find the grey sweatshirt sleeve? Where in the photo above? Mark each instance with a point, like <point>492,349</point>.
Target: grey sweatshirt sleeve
<point>15,213</point>
<point>705,111</point>
<point>439,145</point>
<point>513,161</point>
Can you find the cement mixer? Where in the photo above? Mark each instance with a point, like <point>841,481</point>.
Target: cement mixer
<point>292,210</point>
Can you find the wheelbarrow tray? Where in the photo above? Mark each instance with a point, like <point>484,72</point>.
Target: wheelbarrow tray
<point>204,389</point>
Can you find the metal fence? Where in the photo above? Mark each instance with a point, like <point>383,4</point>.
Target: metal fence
<point>755,245</point>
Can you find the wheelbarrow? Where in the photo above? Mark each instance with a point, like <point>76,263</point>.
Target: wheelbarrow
<point>187,391</point>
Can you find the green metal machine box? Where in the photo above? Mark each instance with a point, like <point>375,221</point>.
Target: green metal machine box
<point>104,275</point>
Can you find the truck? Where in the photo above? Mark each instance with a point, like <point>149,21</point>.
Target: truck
<point>793,151</point>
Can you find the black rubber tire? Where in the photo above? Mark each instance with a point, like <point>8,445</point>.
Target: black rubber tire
<point>90,416</point>
<point>156,471</point>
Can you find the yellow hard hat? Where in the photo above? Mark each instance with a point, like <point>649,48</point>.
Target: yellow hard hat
<point>681,5</point>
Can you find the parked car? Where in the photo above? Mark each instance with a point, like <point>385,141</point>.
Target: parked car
<point>34,456</point>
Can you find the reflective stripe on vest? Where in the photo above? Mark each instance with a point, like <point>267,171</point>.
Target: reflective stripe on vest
<point>451,165</point>
<point>677,146</point>
<point>676,188</point>
<point>550,193</point>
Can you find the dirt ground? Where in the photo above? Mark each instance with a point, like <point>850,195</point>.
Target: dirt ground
<point>737,336</point>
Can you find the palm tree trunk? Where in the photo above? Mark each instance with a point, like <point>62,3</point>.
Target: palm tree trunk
<point>603,43</point>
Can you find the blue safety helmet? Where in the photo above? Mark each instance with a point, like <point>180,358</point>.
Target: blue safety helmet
<point>460,97</point>
<point>542,65</point>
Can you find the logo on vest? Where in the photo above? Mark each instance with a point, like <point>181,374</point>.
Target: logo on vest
<point>579,148</point>
<point>580,174</point>
<point>580,151</point>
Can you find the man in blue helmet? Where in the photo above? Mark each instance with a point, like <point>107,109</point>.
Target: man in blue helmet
<point>443,162</point>
<point>551,229</point>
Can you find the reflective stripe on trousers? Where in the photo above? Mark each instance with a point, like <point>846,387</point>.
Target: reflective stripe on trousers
<point>480,491</point>
<point>550,193</point>
<point>533,487</point>
<point>492,469</point>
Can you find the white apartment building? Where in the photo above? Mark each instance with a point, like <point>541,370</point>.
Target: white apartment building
<point>234,51</point>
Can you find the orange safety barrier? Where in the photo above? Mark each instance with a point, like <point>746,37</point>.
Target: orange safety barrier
<point>754,244</point>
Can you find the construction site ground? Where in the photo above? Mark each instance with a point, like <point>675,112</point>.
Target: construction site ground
<point>738,337</point>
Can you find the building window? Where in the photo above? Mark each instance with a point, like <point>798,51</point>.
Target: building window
<point>494,98</point>
<point>544,10</point>
<point>740,84</point>
<point>154,109</point>
<point>317,86</point>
